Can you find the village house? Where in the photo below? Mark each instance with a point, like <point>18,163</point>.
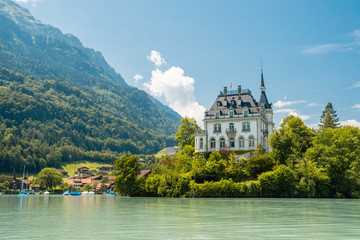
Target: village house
<point>35,187</point>
<point>63,172</point>
<point>104,168</point>
<point>236,121</point>
<point>83,170</point>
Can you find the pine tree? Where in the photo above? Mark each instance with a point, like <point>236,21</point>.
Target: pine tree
<point>329,118</point>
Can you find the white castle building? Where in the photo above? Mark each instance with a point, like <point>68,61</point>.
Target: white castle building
<point>236,121</point>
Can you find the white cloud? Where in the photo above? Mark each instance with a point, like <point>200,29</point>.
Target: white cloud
<point>355,34</point>
<point>293,112</point>
<point>313,104</point>
<point>178,91</point>
<point>324,48</point>
<point>313,125</point>
<point>356,85</point>
<point>280,103</point>
<point>352,44</point>
<point>285,110</point>
<point>156,58</point>
<point>357,107</point>
<point>138,77</point>
<point>28,1</point>
<point>351,122</point>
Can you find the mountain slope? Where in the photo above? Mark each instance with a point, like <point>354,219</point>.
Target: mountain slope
<point>60,95</point>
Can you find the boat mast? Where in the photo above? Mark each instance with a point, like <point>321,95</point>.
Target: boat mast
<point>27,180</point>
<point>22,182</point>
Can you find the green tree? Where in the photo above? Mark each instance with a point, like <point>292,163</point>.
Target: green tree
<point>280,182</point>
<point>186,132</point>
<point>49,177</point>
<point>338,151</point>
<point>314,181</point>
<point>291,140</point>
<point>329,118</point>
<point>105,180</point>
<point>126,180</point>
<point>259,164</point>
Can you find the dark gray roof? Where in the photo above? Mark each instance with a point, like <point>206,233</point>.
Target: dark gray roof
<point>247,102</point>
<point>264,100</point>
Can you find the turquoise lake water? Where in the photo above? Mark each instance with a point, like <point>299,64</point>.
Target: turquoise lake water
<point>109,217</point>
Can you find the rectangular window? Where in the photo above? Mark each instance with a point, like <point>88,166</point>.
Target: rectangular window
<point>246,126</point>
<point>231,114</point>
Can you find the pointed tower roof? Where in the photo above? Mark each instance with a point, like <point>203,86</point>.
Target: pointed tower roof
<point>263,99</point>
<point>262,82</point>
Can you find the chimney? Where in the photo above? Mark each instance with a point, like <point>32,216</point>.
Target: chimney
<point>239,95</point>
<point>225,95</point>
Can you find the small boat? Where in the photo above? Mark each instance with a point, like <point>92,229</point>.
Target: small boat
<point>66,193</point>
<point>91,193</point>
<point>46,193</point>
<point>31,192</point>
<point>85,193</point>
<point>75,193</point>
<point>23,193</point>
<point>111,193</point>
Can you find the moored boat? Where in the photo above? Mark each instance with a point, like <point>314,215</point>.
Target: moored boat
<point>23,193</point>
<point>66,193</point>
<point>46,193</point>
<point>75,193</point>
<point>85,193</point>
<point>91,193</point>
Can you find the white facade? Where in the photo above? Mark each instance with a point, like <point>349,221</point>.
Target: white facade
<point>236,122</point>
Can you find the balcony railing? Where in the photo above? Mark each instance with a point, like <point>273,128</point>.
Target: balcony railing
<point>231,130</point>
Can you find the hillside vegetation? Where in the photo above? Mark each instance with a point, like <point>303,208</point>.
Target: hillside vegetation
<point>61,102</point>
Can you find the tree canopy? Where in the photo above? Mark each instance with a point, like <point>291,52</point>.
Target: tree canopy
<point>329,118</point>
<point>49,178</point>
<point>186,132</point>
<point>126,180</point>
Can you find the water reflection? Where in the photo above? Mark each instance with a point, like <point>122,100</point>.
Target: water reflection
<point>108,217</point>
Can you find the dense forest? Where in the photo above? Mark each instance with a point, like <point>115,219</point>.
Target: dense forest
<point>48,122</point>
<point>303,162</point>
<point>62,102</point>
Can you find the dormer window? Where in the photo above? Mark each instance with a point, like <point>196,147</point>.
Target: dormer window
<point>231,114</point>
<point>217,115</point>
<point>219,104</point>
<point>246,112</point>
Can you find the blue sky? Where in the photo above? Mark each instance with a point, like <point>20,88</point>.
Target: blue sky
<point>185,52</point>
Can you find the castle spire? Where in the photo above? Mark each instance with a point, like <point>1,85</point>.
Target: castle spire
<point>262,79</point>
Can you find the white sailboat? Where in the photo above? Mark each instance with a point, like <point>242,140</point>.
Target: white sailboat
<point>23,193</point>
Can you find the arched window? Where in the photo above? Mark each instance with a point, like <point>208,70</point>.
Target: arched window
<point>222,142</point>
<point>241,142</point>
<point>212,143</point>
<point>251,141</point>
<point>231,127</point>
<point>232,142</point>
<point>201,143</point>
